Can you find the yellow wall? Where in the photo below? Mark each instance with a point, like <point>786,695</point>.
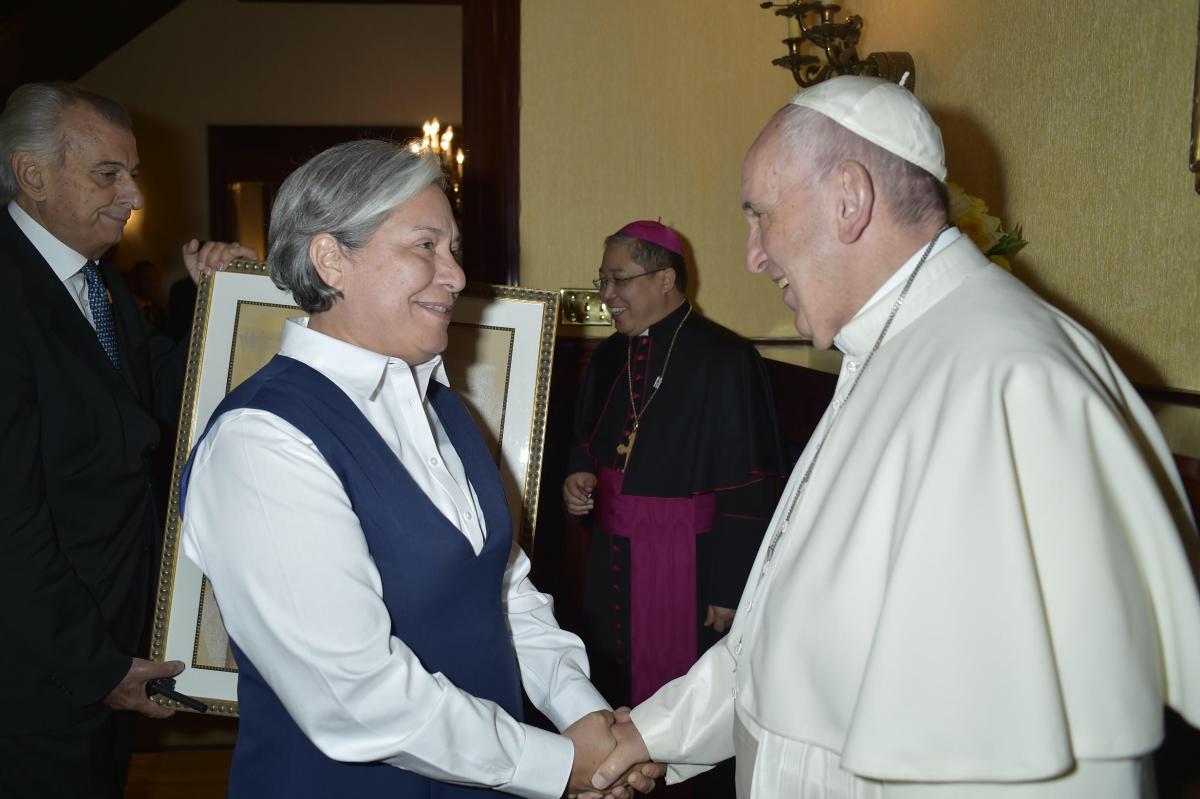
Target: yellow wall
<point>632,109</point>
<point>1073,121</point>
<point>230,63</point>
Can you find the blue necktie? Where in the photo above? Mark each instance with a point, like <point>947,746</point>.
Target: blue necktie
<point>106,331</point>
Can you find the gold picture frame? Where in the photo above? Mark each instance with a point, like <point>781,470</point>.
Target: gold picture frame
<point>498,360</point>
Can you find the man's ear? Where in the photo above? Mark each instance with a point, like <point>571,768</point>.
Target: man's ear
<point>31,177</point>
<point>666,279</point>
<point>328,259</point>
<point>856,200</point>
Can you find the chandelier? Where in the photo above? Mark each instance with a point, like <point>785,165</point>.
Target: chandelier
<point>440,143</point>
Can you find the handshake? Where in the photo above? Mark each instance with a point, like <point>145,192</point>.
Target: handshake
<point>611,759</point>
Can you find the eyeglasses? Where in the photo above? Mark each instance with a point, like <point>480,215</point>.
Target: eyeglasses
<point>619,282</point>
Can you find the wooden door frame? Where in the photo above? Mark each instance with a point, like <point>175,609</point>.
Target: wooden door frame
<point>491,42</point>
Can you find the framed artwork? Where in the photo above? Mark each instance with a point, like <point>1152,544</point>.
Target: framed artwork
<point>501,342</point>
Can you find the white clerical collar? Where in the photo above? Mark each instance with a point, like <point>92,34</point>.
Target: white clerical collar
<point>62,259</point>
<point>357,369</point>
<point>894,282</point>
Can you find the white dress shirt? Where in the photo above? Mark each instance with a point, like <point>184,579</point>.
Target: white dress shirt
<point>66,263</point>
<point>270,524</point>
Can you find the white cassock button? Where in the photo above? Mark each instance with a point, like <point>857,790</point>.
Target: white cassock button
<point>468,515</point>
<point>433,461</point>
<point>737,650</point>
<point>852,367</point>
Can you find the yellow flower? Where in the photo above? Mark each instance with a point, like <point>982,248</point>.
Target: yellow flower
<point>970,215</point>
<point>984,230</point>
<point>961,203</point>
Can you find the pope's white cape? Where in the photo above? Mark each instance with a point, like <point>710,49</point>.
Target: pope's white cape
<point>986,578</point>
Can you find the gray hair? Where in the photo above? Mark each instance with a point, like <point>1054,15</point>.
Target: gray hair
<point>32,123</point>
<point>652,257</point>
<point>347,191</point>
<point>913,195</point>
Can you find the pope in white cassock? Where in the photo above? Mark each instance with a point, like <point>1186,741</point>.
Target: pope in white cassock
<point>976,583</point>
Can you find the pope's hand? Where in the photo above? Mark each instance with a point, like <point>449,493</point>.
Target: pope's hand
<point>629,760</point>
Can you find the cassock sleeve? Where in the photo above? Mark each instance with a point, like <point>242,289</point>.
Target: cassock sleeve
<point>580,457</point>
<point>742,516</point>
<point>747,470</point>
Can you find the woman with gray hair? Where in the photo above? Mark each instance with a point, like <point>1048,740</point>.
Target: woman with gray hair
<point>355,530</point>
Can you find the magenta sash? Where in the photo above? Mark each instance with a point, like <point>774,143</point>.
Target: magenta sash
<point>662,584</point>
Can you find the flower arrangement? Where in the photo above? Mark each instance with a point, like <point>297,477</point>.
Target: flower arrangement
<point>970,215</point>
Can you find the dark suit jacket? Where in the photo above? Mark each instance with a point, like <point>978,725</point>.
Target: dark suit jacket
<point>78,524</point>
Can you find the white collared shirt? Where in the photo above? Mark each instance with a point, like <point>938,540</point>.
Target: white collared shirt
<point>66,263</point>
<point>270,524</point>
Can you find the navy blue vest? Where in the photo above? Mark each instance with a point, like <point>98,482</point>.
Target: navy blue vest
<point>444,600</point>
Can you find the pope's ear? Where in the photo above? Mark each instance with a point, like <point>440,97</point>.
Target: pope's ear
<point>31,179</point>
<point>327,257</point>
<point>855,199</point>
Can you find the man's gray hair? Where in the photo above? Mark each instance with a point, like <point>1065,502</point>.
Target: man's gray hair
<point>32,123</point>
<point>347,191</point>
<point>913,195</point>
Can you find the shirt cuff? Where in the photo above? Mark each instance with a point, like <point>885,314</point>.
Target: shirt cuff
<point>657,734</point>
<point>544,767</point>
<point>574,702</point>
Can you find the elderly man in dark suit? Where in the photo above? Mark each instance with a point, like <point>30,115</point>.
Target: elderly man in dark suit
<point>85,385</point>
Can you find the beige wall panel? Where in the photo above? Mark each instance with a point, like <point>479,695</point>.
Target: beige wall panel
<point>1073,120</point>
<point>633,109</point>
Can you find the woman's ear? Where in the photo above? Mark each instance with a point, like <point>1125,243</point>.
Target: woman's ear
<point>328,259</point>
<point>856,200</point>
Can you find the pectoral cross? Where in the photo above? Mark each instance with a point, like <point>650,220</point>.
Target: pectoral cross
<point>624,449</point>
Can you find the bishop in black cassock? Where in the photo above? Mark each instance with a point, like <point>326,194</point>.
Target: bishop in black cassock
<point>677,455</point>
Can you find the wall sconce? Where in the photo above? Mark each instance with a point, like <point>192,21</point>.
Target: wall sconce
<point>582,307</point>
<point>838,40</point>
